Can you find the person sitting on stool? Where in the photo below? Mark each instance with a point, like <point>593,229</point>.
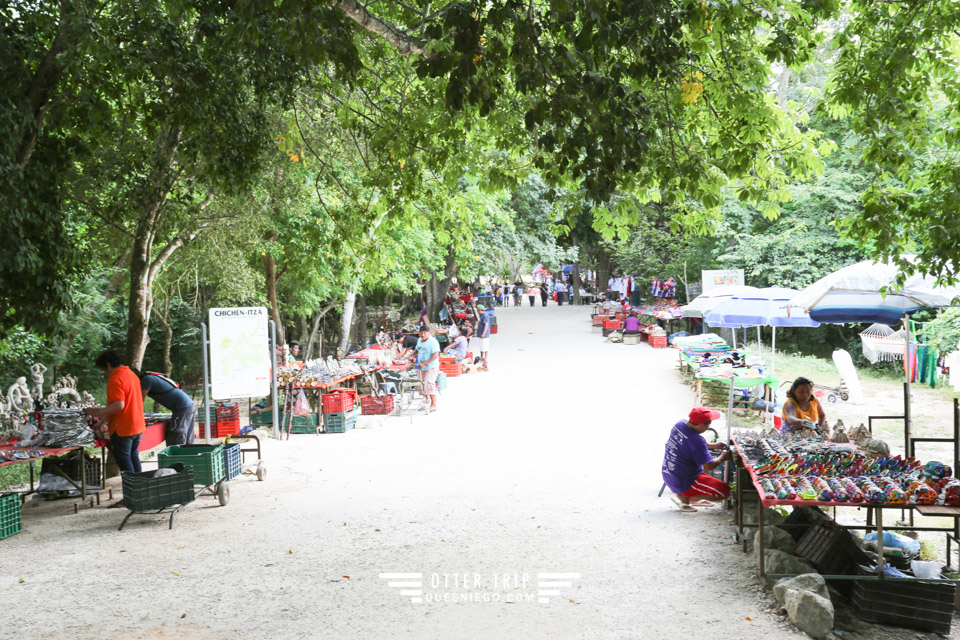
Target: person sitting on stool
<point>687,457</point>
<point>631,324</point>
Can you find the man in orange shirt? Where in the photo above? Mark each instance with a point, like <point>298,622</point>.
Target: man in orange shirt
<point>124,410</point>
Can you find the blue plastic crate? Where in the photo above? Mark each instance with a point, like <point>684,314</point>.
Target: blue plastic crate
<point>232,459</point>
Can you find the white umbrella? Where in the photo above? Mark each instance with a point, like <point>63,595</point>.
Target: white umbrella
<point>705,302</point>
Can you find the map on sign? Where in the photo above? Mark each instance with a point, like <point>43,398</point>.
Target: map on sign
<point>239,353</point>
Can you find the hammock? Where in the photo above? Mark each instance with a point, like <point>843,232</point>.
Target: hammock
<point>880,342</point>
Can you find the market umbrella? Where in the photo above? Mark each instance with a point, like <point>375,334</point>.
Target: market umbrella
<point>867,292</point>
<point>705,302</point>
<point>767,307</point>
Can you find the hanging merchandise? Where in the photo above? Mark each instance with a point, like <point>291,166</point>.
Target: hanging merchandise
<point>881,342</point>
<point>669,288</point>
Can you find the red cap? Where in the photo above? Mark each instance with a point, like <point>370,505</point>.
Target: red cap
<point>702,415</point>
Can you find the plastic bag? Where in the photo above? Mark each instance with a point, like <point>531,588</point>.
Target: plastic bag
<point>302,406</point>
<point>891,539</point>
<point>929,570</point>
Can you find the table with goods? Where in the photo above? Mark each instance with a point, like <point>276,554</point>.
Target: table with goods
<point>812,474</point>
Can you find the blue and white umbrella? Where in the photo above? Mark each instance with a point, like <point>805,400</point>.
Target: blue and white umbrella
<point>867,292</point>
<point>767,307</point>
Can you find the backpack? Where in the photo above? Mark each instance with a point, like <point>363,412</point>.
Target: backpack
<point>162,377</point>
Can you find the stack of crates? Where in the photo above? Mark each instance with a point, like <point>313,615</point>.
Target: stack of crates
<point>658,342</point>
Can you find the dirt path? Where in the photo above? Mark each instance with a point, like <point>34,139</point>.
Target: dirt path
<point>547,464</point>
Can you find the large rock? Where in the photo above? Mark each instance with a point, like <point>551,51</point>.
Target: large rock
<point>812,582</point>
<point>773,538</point>
<point>811,613</point>
<point>780,562</point>
<point>770,517</point>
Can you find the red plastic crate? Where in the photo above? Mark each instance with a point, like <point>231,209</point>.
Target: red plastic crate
<point>220,429</point>
<point>493,329</point>
<point>452,369</point>
<point>658,342</point>
<point>598,320</point>
<point>228,411</point>
<point>612,324</point>
<point>373,406</point>
<point>339,401</point>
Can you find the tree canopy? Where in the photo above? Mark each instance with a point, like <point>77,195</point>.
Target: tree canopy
<point>305,155</point>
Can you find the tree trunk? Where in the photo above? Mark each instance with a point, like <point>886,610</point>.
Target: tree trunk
<point>312,340</point>
<point>141,298</point>
<point>167,337</point>
<point>38,97</point>
<point>143,266</point>
<point>437,288</point>
<point>362,325</point>
<point>575,282</point>
<point>603,270</point>
<point>346,321</point>
<point>270,272</point>
<point>783,83</point>
<point>303,331</point>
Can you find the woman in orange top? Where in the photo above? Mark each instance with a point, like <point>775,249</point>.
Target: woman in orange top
<point>124,410</point>
<point>801,408</point>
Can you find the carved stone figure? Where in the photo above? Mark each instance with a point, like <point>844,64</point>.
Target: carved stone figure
<point>18,396</point>
<point>36,376</point>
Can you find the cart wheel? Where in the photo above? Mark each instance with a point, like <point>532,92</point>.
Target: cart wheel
<point>223,493</point>
<point>832,398</point>
<point>261,472</point>
<point>844,396</point>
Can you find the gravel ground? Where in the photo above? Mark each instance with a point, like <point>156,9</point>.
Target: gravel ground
<point>549,463</point>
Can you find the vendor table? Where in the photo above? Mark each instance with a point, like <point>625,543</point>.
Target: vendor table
<point>51,452</point>
<point>874,512</point>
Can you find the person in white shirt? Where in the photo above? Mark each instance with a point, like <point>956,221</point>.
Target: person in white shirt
<point>561,291</point>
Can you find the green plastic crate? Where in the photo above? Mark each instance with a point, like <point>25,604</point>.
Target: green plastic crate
<point>262,417</point>
<point>303,428</point>
<point>206,460</point>
<point>10,522</point>
<point>442,382</point>
<point>143,493</point>
<point>340,422</point>
<point>298,421</point>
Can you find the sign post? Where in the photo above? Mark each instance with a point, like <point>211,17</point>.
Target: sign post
<point>241,364</point>
<point>721,277</point>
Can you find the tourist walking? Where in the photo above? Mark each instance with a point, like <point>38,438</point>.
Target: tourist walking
<point>544,294</point>
<point>532,295</point>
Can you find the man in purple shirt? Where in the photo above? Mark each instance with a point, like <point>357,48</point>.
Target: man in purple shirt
<point>686,458</point>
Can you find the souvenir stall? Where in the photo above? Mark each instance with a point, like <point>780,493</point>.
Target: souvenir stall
<point>841,468</point>
<point>851,469</point>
